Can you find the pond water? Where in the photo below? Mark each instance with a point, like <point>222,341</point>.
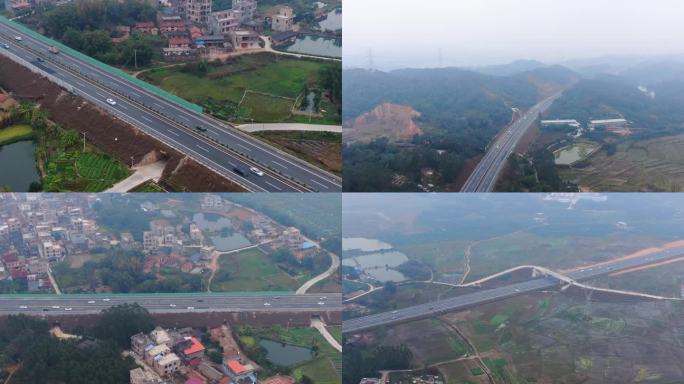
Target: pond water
<point>378,265</point>
<point>573,153</point>
<point>310,101</point>
<point>285,354</point>
<point>211,221</point>
<point>216,224</point>
<point>22,172</point>
<point>313,45</point>
<point>230,242</point>
<point>333,22</point>
<point>364,244</point>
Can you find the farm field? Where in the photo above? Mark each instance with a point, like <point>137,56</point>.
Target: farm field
<point>647,165</point>
<point>82,171</point>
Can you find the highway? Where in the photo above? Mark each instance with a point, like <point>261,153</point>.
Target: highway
<point>495,294</point>
<point>484,176</point>
<point>220,147</point>
<point>79,304</point>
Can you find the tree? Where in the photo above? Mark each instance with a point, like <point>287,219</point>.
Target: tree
<point>69,138</point>
<point>119,323</point>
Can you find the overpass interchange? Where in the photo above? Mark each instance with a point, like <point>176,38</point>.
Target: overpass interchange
<point>466,301</point>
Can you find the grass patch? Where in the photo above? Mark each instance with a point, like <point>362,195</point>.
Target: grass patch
<point>250,270</point>
<point>225,84</point>
<point>15,133</point>
<point>82,171</point>
<point>261,107</point>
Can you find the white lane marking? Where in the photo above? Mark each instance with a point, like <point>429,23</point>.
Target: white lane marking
<point>135,94</point>
<point>146,118</point>
<point>99,94</point>
<point>278,164</point>
<point>280,189</point>
<point>231,164</point>
<point>202,148</point>
<point>173,133</point>
<point>157,105</point>
<point>123,106</point>
<point>322,185</point>
<point>183,117</point>
<point>243,147</point>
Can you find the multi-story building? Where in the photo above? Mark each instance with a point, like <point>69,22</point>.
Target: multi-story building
<point>50,250</point>
<point>198,11</point>
<point>242,39</point>
<point>139,376</point>
<point>247,7</point>
<point>239,373</point>
<point>222,22</point>
<point>167,364</point>
<point>283,20</point>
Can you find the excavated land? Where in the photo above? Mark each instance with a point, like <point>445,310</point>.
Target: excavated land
<point>112,136</point>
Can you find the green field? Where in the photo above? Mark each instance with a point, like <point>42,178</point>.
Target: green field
<point>250,270</point>
<point>82,171</point>
<point>15,133</point>
<point>261,107</point>
<point>220,88</point>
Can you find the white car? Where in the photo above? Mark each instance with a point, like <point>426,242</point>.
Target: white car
<point>256,171</point>
<point>6,46</point>
<point>106,299</point>
<point>18,38</point>
<point>321,303</point>
<point>55,307</point>
<point>324,297</point>
<point>23,307</point>
<point>172,305</point>
<point>191,308</point>
<point>67,309</point>
<point>111,102</point>
<point>267,304</point>
<point>91,301</point>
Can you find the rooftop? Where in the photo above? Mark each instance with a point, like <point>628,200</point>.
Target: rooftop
<point>195,347</point>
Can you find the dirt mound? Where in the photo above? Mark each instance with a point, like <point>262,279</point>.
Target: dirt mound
<point>109,134</point>
<point>386,120</point>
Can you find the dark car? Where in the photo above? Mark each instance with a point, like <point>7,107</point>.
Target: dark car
<point>240,171</point>
<point>201,129</point>
<point>40,59</point>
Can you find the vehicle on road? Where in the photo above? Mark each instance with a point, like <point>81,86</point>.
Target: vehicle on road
<point>172,305</point>
<point>200,301</point>
<point>40,59</point>
<point>321,303</point>
<point>68,309</point>
<point>18,38</point>
<point>45,309</point>
<point>111,102</point>
<point>6,46</point>
<point>191,308</point>
<point>256,171</point>
<point>55,307</point>
<point>23,307</point>
<point>107,299</point>
<point>54,50</point>
<point>91,301</point>
<point>201,129</point>
<point>240,171</point>
<point>267,304</point>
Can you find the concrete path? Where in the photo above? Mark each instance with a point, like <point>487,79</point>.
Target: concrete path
<point>53,281</point>
<point>334,265</point>
<point>142,174</point>
<point>290,127</point>
<point>320,326</point>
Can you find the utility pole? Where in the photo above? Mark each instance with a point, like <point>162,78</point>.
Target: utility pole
<point>135,57</point>
<point>84,141</point>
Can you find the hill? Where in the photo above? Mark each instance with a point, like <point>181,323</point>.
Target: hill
<point>510,69</point>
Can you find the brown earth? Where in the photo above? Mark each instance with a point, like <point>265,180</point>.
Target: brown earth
<point>325,154</point>
<point>114,137</point>
<point>386,120</point>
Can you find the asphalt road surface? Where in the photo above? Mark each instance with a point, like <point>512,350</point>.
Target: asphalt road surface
<point>484,176</point>
<point>489,295</point>
<point>171,303</point>
<point>174,124</point>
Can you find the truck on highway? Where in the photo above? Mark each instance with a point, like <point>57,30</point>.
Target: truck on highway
<point>53,49</point>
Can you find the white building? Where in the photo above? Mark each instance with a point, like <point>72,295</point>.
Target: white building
<point>198,11</point>
<point>50,250</point>
<point>572,123</point>
<point>247,7</point>
<point>222,22</point>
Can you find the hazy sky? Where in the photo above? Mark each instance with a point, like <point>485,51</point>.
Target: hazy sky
<point>409,33</point>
